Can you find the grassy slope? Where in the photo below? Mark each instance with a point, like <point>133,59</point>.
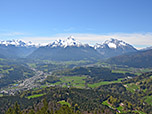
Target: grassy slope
<point>149,99</point>
<point>35,96</point>
<point>74,81</point>
<point>131,87</point>
<point>63,102</point>
<point>120,108</point>
<point>104,83</point>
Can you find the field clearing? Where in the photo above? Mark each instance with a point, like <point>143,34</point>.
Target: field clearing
<point>57,83</point>
<point>104,83</point>
<point>63,102</point>
<point>148,99</point>
<point>33,65</point>
<point>98,84</point>
<point>136,71</point>
<point>139,112</point>
<point>79,85</point>
<point>106,103</point>
<point>120,71</point>
<point>44,86</point>
<point>73,79</point>
<point>35,96</point>
<point>120,108</point>
<point>132,87</point>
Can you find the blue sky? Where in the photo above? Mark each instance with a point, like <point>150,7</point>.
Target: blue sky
<point>88,20</point>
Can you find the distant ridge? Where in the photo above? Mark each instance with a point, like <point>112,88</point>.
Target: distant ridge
<point>140,59</point>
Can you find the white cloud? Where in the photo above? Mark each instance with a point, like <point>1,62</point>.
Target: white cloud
<point>137,39</point>
<point>12,34</point>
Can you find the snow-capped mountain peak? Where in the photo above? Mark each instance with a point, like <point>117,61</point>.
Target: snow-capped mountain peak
<point>112,43</point>
<point>70,41</point>
<point>114,47</point>
<point>18,43</point>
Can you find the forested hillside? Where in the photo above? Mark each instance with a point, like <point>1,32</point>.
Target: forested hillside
<point>11,71</point>
<point>141,59</point>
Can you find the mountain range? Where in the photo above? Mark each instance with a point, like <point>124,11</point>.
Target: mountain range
<point>71,49</point>
<point>65,50</point>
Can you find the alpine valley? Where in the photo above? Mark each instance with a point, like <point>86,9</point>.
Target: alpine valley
<point>69,77</point>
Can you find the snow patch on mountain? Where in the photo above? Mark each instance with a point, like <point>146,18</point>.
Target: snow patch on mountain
<point>122,43</point>
<point>112,45</point>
